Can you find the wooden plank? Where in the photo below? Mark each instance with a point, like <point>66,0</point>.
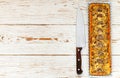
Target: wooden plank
<point>29,39</point>
<point>37,11</point>
<point>34,39</point>
<point>44,67</point>
<point>36,34</point>
<point>47,12</point>
<point>48,67</point>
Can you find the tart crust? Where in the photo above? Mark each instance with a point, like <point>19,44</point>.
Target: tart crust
<point>99,39</point>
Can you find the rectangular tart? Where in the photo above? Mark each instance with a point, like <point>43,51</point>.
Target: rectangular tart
<point>99,39</point>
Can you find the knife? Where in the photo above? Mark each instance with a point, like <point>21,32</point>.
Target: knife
<point>80,40</point>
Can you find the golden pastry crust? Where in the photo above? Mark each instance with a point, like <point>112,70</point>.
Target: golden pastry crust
<point>99,39</point>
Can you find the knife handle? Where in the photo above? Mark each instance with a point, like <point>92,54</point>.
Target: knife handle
<point>78,60</point>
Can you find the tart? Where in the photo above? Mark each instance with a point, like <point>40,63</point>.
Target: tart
<point>99,39</point>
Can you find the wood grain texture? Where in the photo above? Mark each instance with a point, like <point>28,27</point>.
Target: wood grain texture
<point>37,39</point>
<point>47,12</point>
<point>37,11</point>
<point>35,66</point>
<point>29,39</point>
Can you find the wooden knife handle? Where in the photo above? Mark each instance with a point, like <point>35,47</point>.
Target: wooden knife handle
<point>78,60</point>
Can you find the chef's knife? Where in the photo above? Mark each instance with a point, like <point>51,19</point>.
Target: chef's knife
<point>80,33</point>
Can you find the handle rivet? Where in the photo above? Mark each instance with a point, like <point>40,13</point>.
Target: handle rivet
<point>78,69</point>
<point>78,50</point>
<point>78,59</point>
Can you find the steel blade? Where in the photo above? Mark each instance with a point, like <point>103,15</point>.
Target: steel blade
<point>80,29</point>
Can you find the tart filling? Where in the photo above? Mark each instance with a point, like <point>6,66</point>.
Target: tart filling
<point>99,39</point>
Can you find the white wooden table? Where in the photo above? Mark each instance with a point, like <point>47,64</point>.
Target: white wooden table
<point>37,39</point>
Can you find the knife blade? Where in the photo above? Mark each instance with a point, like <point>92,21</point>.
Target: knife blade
<point>80,40</point>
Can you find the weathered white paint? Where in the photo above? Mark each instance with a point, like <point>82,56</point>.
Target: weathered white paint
<point>22,38</point>
<point>47,12</point>
<point>26,24</point>
<point>47,67</point>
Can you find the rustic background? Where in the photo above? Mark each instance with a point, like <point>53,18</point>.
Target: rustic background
<point>37,39</point>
